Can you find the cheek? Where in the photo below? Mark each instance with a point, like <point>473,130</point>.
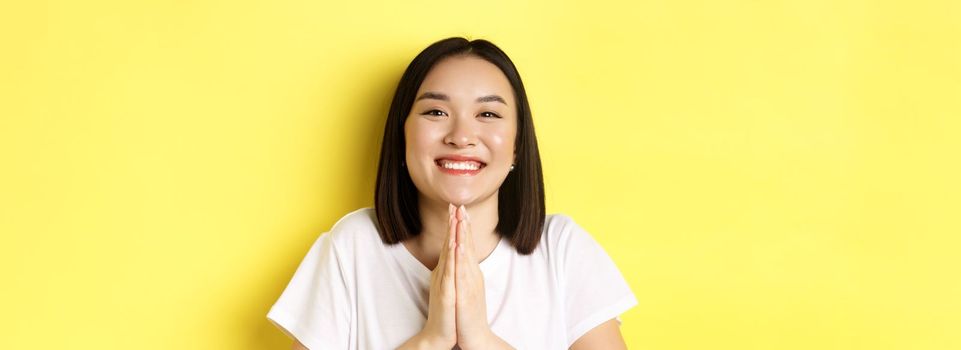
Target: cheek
<point>502,141</point>
<point>419,137</point>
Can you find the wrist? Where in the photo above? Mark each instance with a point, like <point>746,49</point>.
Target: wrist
<point>427,342</point>
<point>488,341</point>
<point>492,341</point>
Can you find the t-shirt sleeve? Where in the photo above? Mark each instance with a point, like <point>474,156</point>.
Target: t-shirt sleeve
<point>595,290</point>
<point>314,308</point>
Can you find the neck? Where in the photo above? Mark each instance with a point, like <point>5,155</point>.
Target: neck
<point>433,217</point>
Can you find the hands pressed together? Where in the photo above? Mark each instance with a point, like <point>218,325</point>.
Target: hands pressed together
<point>457,311</point>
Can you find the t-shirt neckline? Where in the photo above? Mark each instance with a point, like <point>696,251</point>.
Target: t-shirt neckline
<point>417,267</point>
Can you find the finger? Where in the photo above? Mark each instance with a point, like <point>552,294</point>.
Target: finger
<point>473,271</point>
<point>465,255</point>
<point>469,233</point>
<point>447,260</point>
<point>447,280</point>
<point>450,223</point>
<point>461,241</point>
<point>457,271</point>
<point>449,249</point>
<point>461,270</point>
<point>451,212</point>
<point>451,232</point>
<point>461,216</point>
<point>441,260</point>
<point>447,241</point>
<point>445,252</point>
<point>466,239</point>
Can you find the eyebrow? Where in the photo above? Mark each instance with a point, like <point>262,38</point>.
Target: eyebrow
<point>442,97</point>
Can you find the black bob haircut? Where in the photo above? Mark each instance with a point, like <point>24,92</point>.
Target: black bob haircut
<point>520,210</point>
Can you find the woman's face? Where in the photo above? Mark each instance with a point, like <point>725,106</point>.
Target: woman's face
<point>460,131</point>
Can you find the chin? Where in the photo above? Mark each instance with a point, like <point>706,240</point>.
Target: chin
<point>460,201</point>
<point>459,198</point>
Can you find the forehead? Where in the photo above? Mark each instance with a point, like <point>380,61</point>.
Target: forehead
<point>466,78</point>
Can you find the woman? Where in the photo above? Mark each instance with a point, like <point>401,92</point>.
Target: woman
<point>457,251</point>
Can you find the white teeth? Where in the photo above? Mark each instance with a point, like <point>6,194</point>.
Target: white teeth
<point>460,165</point>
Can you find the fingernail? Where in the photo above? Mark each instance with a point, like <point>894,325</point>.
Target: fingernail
<point>463,211</point>
<point>450,209</point>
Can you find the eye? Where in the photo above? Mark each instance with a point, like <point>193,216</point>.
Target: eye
<point>490,115</point>
<point>434,112</point>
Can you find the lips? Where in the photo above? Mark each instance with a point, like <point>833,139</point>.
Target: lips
<point>460,165</point>
<point>452,158</point>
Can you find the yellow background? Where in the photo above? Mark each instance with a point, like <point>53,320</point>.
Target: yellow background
<point>766,174</point>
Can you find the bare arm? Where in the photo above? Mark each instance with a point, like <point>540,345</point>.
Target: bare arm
<point>606,335</point>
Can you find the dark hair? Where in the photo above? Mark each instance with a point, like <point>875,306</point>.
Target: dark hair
<point>520,199</point>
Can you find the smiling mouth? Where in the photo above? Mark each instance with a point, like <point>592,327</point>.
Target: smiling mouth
<point>467,168</point>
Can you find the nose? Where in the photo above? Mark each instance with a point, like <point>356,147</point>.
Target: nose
<point>461,134</point>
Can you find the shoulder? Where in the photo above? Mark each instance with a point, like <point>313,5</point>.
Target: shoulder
<point>563,238</point>
<point>561,229</point>
<point>358,227</point>
<point>558,222</point>
<point>362,219</point>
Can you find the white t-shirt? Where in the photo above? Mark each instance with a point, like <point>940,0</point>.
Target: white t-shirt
<point>352,291</point>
